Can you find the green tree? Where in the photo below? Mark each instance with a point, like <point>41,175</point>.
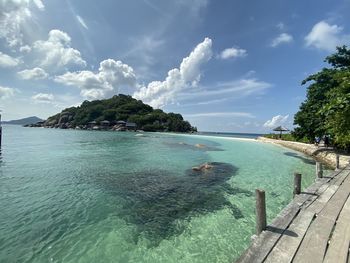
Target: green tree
<point>126,108</point>
<point>326,109</point>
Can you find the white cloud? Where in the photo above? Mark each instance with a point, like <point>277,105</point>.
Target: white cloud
<point>221,114</point>
<point>281,39</point>
<point>231,89</point>
<point>144,48</point>
<point>56,52</point>
<point>326,37</point>
<point>193,7</point>
<point>232,52</point>
<point>106,82</point>
<point>43,98</point>
<point>82,22</point>
<point>6,92</point>
<point>39,4</point>
<point>159,93</point>
<point>35,73</point>
<point>25,49</point>
<point>276,121</point>
<point>280,26</point>
<point>14,19</point>
<point>7,61</point>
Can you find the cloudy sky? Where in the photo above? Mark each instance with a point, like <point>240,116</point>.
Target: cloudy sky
<point>233,66</point>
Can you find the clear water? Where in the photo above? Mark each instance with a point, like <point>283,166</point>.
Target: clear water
<point>80,196</point>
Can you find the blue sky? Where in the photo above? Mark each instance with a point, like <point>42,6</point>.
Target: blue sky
<point>233,66</point>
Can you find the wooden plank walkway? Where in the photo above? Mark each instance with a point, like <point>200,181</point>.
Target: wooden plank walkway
<point>314,227</point>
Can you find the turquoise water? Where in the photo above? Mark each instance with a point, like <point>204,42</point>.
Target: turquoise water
<point>81,196</point>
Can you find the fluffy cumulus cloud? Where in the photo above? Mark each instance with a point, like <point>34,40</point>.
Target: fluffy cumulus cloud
<point>35,73</point>
<point>14,17</point>
<point>43,98</point>
<point>7,61</point>
<point>56,52</point>
<point>159,93</point>
<point>111,76</point>
<point>232,52</point>
<point>283,38</point>
<point>6,92</point>
<point>25,49</point>
<point>276,121</point>
<point>326,37</point>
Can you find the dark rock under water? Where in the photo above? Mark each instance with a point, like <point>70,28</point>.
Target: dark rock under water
<point>155,200</point>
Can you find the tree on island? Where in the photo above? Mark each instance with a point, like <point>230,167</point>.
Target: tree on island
<point>326,109</point>
<point>120,108</point>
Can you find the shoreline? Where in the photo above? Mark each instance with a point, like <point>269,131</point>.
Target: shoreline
<point>210,136</point>
<point>324,155</point>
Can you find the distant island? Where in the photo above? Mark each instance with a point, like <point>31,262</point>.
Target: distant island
<point>120,113</point>
<point>24,121</point>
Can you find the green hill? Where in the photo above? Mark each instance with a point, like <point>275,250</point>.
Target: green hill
<point>119,108</point>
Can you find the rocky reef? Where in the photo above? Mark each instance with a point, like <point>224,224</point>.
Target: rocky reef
<point>155,200</point>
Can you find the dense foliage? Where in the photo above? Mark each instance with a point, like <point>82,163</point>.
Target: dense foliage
<point>126,108</point>
<point>326,109</point>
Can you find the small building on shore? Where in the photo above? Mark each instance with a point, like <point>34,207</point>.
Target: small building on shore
<point>104,124</point>
<point>91,124</point>
<point>131,126</point>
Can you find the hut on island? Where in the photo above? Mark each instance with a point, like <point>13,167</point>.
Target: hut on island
<point>280,129</point>
<point>131,126</point>
<point>104,124</point>
<point>91,124</point>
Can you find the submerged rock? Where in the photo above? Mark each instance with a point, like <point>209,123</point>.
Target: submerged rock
<point>199,145</point>
<point>155,200</point>
<point>202,167</point>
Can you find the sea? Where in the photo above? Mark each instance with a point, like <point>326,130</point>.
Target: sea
<point>102,196</point>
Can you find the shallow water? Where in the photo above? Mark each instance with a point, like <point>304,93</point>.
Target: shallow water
<point>81,196</point>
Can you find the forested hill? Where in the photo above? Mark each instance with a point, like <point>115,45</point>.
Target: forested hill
<point>119,108</point>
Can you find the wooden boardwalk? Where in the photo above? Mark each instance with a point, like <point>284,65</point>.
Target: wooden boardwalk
<point>314,227</point>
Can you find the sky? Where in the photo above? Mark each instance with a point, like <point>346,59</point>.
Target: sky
<point>229,66</point>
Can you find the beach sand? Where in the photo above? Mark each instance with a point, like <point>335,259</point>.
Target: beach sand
<point>322,154</point>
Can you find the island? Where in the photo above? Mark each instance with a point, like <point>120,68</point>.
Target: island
<point>119,113</point>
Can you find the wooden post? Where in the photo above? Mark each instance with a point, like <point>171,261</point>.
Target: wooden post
<point>0,130</point>
<point>319,170</point>
<point>297,184</point>
<point>260,211</point>
<point>337,162</point>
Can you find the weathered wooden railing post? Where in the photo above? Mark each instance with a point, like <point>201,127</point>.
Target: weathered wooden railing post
<point>319,170</point>
<point>297,184</point>
<point>0,130</point>
<point>260,211</point>
<point>337,162</point>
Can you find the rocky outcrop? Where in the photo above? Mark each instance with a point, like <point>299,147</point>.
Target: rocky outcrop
<point>202,167</point>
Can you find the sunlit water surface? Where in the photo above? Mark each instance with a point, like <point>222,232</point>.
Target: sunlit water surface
<point>81,196</point>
